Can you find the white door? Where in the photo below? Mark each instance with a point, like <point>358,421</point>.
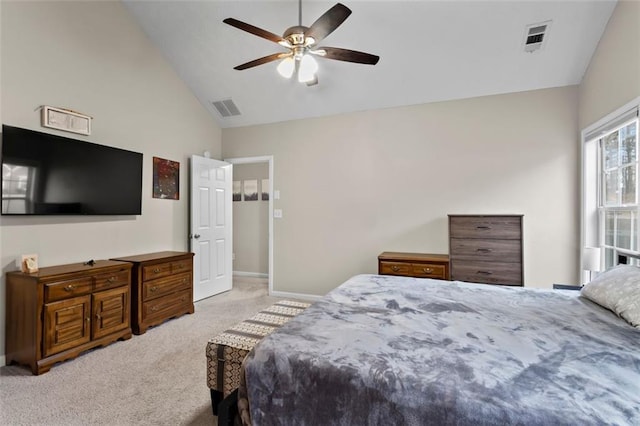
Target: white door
<point>211,226</point>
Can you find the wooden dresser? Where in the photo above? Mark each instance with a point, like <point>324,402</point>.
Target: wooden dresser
<point>60,311</point>
<point>486,249</point>
<point>161,287</point>
<point>419,265</point>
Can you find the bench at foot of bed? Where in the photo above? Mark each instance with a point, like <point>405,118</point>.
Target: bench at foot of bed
<point>226,351</point>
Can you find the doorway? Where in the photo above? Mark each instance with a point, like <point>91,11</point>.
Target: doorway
<point>263,185</point>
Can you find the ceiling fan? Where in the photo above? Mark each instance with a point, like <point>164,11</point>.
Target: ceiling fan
<point>302,42</point>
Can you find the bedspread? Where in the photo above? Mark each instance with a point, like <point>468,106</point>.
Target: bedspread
<point>383,350</point>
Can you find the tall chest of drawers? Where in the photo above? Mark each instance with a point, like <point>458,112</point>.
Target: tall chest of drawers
<point>486,249</point>
<point>161,287</point>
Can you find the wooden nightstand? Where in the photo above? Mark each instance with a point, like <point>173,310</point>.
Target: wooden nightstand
<point>419,265</point>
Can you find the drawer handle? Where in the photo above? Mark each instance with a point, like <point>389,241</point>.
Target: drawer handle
<point>180,266</point>
<point>485,272</point>
<point>484,250</point>
<point>154,308</point>
<point>483,227</point>
<point>70,287</point>
<point>152,289</point>
<point>184,280</point>
<point>427,270</point>
<point>111,279</point>
<point>395,268</point>
<point>156,271</point>
<point>98,316</point>
<point>88,319</point>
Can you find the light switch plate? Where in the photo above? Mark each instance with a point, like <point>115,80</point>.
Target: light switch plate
<point>277,213</point>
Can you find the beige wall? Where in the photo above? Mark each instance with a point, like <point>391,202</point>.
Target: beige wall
<point>251,224</point>
<point>613,76</point>
<point>357,184</point>
<point>92,57</point>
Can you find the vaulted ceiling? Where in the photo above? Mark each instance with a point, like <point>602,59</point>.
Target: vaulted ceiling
<point>429,51</point>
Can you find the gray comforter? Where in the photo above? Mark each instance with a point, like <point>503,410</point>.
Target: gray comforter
<point>382,350</point>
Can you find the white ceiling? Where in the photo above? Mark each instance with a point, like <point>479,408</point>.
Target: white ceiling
<point>429,51</point>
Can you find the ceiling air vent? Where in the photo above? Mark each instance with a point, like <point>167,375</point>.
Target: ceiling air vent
<point>226,108</point>
<point>535,36</point>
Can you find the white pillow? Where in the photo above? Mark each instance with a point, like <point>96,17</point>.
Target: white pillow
<point>617,289</point>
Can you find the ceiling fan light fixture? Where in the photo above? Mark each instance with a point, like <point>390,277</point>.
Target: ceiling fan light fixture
<point>286,67</point>
<point>308,69</point>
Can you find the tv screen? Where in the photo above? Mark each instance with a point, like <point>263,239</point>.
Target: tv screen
<point>45,174</point>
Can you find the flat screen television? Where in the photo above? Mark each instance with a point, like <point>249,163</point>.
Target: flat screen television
<point>45,174</point>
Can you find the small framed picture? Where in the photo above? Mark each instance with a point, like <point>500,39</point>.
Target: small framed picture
<point>166,179</point>
<point>264,186</point>
<point>29,264</point>
<point>67,120</point>
<point>237,190</point>
<point>251,190</point>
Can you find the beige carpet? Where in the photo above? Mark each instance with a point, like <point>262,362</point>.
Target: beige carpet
<point>158,378</point>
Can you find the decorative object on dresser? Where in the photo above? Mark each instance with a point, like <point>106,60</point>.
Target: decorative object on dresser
<point>60,311</point>
<point>419,265</point>
<point>486,249</point>
<point>161,287</point>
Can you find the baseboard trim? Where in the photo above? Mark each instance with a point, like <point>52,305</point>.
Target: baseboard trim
<point>305,296</point>
<point>3,360</point>
<point>250,274</point>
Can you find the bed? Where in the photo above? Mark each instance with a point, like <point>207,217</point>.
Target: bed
<point>384,350</point>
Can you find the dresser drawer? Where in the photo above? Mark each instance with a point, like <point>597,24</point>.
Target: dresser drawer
<point>112,280</point>
<point>487,272</point>
<point>486,249</point>
<point>183,265</point>
<point>395,268</point>
<point>65,289</point>
<point>167,306</point>
<point>487,227</point>
<point>163,286</point>
<point>426,270</point>
<point>158,270</point>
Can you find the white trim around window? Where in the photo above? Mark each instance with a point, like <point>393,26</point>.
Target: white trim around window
<point>591,234</point>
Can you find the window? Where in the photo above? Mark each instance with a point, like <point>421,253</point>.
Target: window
<point>618,184</point>
<point>610,186</point>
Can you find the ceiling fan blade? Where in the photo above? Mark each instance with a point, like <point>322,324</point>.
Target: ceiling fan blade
<point>263,60</point>
<point>256,31</point>
<point>346,55</point>
<point>328,22</point>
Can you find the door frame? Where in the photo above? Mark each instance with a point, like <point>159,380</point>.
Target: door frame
<point>254,160</point>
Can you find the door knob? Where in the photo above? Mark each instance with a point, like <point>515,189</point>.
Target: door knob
<point>196,236</point>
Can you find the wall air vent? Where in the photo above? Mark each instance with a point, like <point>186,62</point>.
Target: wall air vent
<point>226,108</point>
<point>536,36</point>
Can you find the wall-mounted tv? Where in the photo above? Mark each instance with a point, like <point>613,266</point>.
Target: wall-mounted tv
<point>45,174</point>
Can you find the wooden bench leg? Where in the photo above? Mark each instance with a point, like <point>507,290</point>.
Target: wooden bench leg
<point>228,409</point>
<point>216,399</point>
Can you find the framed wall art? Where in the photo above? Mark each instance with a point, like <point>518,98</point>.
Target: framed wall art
<point>66,119</point>
<point>237,190</point>
<point>166,179</point>
<point>251,190</point>
<point>264,187</point>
